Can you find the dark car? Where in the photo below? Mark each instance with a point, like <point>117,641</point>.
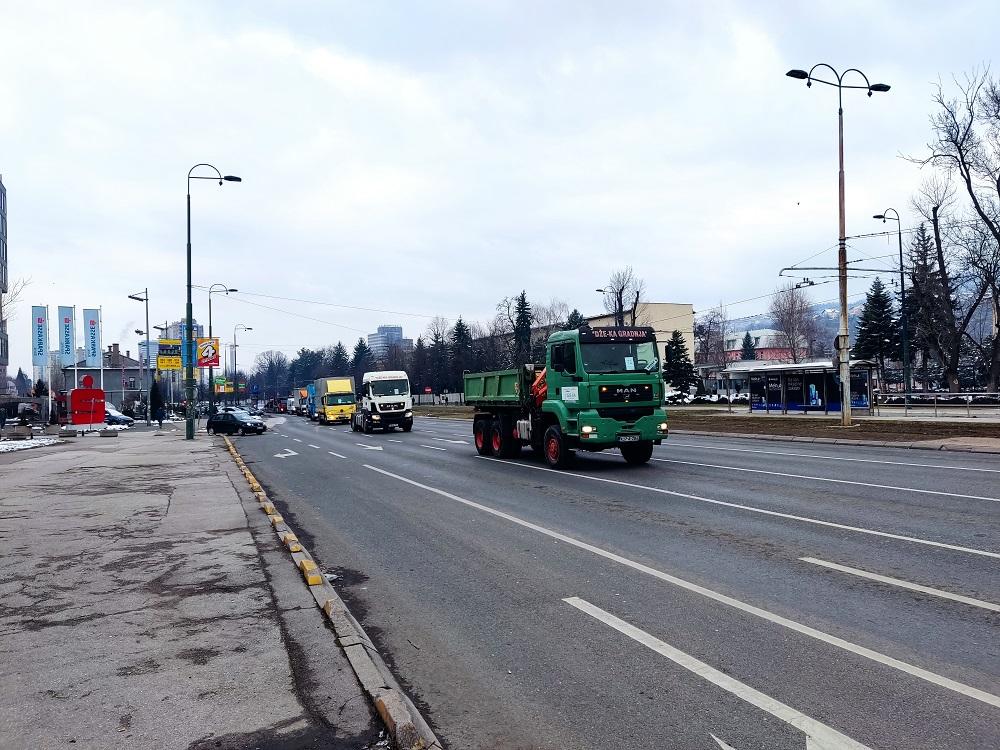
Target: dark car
<point>114,417</point>
<point>229,423</point>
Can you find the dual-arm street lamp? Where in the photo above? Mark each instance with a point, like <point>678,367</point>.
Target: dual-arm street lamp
<point>144,298</point>
<point>884,216</point>
<point>189,323</point>
<point>236,385</point>
<point>211,370</point>
<point>842,338</point>
<point>619,304</point>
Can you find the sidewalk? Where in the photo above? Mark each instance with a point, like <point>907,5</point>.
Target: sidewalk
<point>142,605</point>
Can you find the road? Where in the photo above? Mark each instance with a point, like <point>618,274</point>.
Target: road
<point>731,594</point>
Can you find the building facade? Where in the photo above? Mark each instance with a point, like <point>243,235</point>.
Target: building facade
<point>386,337</point>
<point>769,345</point>
<point>123,377</point>
<point>4,341</point>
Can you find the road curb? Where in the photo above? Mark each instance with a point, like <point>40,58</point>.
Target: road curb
<point>838,441</point>
<point>408,729</point>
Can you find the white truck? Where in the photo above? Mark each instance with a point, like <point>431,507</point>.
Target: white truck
<point>384,402</point>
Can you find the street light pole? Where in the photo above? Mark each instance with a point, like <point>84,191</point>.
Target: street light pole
<point>236,386</point>
<point>189,323</point>
<point>145,298</point>
<point>902,301</point>
<point>842,338</point>
<point>211,370</point>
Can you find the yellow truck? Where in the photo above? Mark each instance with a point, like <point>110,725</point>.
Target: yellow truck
<point>335,401</point>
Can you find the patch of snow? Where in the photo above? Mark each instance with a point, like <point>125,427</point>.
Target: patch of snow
<point>9,446</point>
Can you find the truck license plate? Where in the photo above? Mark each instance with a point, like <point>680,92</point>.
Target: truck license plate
<point>628,438</point>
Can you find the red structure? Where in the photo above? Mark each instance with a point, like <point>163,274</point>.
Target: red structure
<point>86,405</point>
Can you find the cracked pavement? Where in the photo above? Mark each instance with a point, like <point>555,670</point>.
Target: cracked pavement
<point>142,606</point>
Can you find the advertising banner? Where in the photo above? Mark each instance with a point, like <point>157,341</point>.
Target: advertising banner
<point>758,391</point>
<point>39,336</point>
<point>208,352</point>
<point>67,336</point>
<point>92,337</point>
<point>169,356</point>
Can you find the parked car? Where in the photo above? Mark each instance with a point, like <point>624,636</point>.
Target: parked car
<point>113,416</point>
<point>232,422</point>
<point>247,414</point>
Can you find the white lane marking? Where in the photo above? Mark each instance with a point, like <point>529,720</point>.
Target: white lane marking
<point>819,635</point>
<point>903,584</point>
<point>833,458</point>
<point>827,479</point>
<point>446,440</point>
<point>314,446</point>
<point>432,447</point>
<point>370,447</point>
<point>392,440</point>
<point>830,738</point>
<point>287,453</point>
<point>296,440</point>
<point>720,743</point>
<point>336,454</point>
<point>763,511</point>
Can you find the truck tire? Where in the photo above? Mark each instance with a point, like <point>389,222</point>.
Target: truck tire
<point>408,425</point>
<point>637,453</point>
<point>504,443</point>
<point>482,438</point>
<point>368,429</point>
<point>354,424</point>
<point>557,455</point>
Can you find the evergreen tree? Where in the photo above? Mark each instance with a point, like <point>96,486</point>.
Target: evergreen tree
<point>340,363</point>
<point>522,329</point>
<point>461,354</point>
<point>878,329</point>
<point>155,399</point>
<point>678,369</point>
<point>574,321</point>
<point>749,351</point>
<point>362,360</point>
<point>418,370</point>
<point>40,389</point>
<point>437,357</point>
<point>22,382</point>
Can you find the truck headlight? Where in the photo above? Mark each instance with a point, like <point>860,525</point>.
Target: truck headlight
<point>586,429</point>
<point>662,427</point>
<point>408,414</point>
<point>376,418</point>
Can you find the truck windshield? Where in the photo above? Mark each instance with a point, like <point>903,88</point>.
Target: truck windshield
<point>620,357</point>
<point>338,399</point>
<point>390,387</point>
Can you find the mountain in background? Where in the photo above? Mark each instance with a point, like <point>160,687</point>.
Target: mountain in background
<point>827,319</point>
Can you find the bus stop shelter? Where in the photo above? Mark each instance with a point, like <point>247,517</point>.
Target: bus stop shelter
<point>802,387</point>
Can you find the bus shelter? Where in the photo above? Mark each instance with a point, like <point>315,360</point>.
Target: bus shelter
<point>803,386</point>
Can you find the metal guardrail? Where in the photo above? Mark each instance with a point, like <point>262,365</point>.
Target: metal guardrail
<point>924,404</point>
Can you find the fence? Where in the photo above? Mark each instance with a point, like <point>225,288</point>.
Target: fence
<point>923,404</point>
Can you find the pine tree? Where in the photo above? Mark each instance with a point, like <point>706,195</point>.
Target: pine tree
<point>574,321</point>
<point>678,369</point>
<point>362,360</point>
<point>418,366</point>
<point>461,353</point>
<point>437,356</point>
<point>340,363</point>
<point>522,329</point>
<point>155,399</point>
<point>40,389</point>
<point>749,351</point>
<point>878,329</point>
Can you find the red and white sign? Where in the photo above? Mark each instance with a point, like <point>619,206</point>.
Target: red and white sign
<point>86,405</point>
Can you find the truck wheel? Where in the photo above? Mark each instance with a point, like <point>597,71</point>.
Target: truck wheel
<point>504,443</point>
<point>637,453</point>
<point>554,448</point>
<point>354,424</point>
<point>407,426</point>
<point>368,429</point>
<point>481,437</point>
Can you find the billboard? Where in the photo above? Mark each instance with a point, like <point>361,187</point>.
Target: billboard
<point>67,336</point>
<point>169,356</point>
<point>208,352</point>
<point>39,336</point>
<point>92,337</point>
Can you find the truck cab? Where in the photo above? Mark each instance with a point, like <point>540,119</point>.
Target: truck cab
<point>335,400</point>
<point>384,402</point>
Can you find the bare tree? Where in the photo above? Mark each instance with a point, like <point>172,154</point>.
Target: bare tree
<point>710,333</point>
<point>271,371</point>
<point>622,295</point>
<point>15,290</point>
<point>793,319</point>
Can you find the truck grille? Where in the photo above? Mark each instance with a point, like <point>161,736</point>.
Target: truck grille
<point>626,413</point>
<point>391,407</point>
<point>625,393</point>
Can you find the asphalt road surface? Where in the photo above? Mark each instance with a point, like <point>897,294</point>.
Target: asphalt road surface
<point>731,594</point>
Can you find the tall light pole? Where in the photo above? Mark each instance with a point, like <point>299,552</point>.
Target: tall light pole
<point>144,298</point>
<point>189,323</point>
<point>842,338</point>
<point>619,304</point>
<point>211,370</point>
<point>884,216</point>
<point>236,386</point>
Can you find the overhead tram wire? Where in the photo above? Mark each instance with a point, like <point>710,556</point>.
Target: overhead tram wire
<point>328,304</point>
<point>300,315</point>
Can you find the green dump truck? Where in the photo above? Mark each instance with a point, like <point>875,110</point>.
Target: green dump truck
<point>598,388</point>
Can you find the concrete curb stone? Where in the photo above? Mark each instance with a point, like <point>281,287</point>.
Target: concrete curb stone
<point>840,441</point>
<point>409,730</point>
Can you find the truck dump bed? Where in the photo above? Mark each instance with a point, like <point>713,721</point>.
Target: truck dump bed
<point>500,388</point>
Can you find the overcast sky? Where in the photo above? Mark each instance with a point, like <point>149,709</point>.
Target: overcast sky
<point>431,158</point>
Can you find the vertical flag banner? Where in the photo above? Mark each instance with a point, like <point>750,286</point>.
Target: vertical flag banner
<point>92,337</point>
<point>39,336</point>
<point>67,336</point>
